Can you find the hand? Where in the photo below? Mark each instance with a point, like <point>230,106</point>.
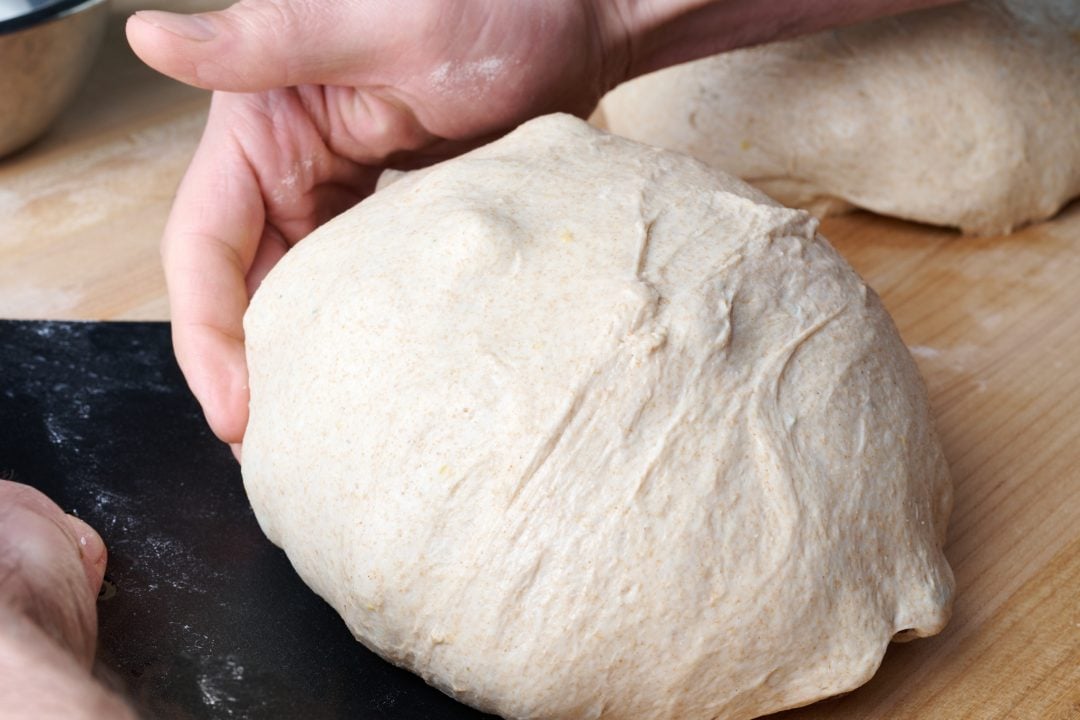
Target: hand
<point>332,93</point>
<point>51,567</point>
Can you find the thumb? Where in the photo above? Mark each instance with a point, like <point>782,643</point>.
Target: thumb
<point>254,45</point>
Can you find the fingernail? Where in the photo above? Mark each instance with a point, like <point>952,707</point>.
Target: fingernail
<point>91,549</point>
<point>189,27</point>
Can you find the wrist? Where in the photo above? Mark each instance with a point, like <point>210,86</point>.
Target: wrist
<point>660,33</point>
<point>636,29</point>
<point>653,34</point>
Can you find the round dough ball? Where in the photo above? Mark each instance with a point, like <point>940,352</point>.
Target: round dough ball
<point>576,428</point>
<point>965,115</point>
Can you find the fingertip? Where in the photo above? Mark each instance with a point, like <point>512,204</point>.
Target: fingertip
<point>135,29</point>
<point>140,36</point>
<point>228,418</point>
<point>212,50</point>
<point>92,551</point>
<point>216,370</point>
<point>166,51</point>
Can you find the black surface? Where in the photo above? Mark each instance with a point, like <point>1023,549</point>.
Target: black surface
<point>208,619</point>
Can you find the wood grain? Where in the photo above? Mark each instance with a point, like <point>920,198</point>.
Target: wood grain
<point>82,210</point>
<point>994,324</point>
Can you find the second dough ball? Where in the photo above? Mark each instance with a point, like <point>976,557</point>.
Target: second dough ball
<point>964,115</point>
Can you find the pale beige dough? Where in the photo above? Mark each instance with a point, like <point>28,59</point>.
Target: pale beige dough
<point>965,115</point>
<point>577,428</point>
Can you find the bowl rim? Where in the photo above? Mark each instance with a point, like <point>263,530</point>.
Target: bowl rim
<point>53,11</point>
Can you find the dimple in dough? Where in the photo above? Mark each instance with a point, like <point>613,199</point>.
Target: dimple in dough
<point>578,428</point>
<point>964,115</point>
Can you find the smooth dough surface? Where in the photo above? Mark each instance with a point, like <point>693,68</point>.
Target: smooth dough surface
<point>965,115</point>
<point>578,428</point>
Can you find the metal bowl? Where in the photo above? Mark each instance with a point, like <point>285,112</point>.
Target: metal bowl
<point>46,50</point>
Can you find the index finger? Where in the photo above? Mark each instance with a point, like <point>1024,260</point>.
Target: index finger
<point>210,241</point>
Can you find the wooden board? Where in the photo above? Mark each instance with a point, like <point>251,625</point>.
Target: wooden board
<point>994,324</point>
<point>81,211</point>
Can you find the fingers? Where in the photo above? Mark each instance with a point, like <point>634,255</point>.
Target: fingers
<point>258,44</point>
<point>51,566</point>
<point>209,244</point>
<point>261,179</point>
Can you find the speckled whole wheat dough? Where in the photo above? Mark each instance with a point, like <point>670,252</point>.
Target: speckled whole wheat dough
<point>965,115</point>
<point>577,428</point>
